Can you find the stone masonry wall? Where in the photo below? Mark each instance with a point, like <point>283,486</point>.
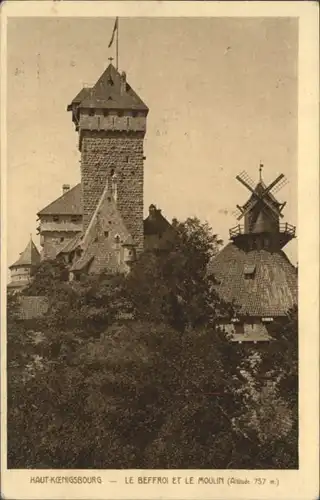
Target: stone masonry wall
<point>104,154</point>
<point>52,243</point>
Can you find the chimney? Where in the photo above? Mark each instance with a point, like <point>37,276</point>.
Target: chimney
<point>65,188</point>
<point>152,210</point>
<point>123,83</point>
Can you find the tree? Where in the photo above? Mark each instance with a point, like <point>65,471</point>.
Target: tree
<point>270,414</point>
<point>132,391</point>
<point>162,390</point>
<point>173,286</point>
<point>48,275</point>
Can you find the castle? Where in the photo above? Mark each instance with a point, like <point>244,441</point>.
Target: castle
<point>98,224</point>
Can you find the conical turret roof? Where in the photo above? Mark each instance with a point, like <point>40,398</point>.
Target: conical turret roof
<point>29,257</point>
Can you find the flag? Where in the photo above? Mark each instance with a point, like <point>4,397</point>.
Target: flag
<point>113,33</point>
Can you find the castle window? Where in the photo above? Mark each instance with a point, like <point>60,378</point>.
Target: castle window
<point>128,121</point>
<point>127,159</point>
<point>249,270</point>
<point>106,234</point>
<point>109,198</point>
<point>117,239</point>
<point>112,172</point>
<point>61,239</point>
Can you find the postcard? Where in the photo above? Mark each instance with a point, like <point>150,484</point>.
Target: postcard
<point>160,250</point>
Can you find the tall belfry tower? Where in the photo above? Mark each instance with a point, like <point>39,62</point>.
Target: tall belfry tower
<point>252,271</point>
<point>111,121</point>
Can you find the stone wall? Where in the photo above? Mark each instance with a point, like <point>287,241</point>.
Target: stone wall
<point>104,154</point>
<point>53,241</point>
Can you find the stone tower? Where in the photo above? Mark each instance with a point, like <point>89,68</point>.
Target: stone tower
<point>111,121</point>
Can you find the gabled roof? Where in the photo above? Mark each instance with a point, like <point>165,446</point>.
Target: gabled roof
<point>29,257</point>
<point>155,223</point>
<point>99,242</point>
<point>270,291</point>
<point>106,93</point>
<point>70,203</point>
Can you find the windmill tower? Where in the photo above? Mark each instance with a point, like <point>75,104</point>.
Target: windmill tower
<point>252,271</point>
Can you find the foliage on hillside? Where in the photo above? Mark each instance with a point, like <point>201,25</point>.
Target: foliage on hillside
<point>162,390</point>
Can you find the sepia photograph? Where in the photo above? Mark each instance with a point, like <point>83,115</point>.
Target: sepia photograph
<point>152,260</point>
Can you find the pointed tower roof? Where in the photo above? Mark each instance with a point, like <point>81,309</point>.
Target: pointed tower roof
<point>29,257</point>
<point>111,92</point>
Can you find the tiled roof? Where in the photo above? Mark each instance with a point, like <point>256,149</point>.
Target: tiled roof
<point>98,244</point>
<point>106,93</point>
<point>71,244</point>
<point>80,97</point>
<point>270,291</point>
<point>29,257</point>
<point>155,223</point>
<point>70,203</point>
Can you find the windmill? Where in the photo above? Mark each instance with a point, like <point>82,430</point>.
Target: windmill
<point>252,271</point>
<point>264,195</point>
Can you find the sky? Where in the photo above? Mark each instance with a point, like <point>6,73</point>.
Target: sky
<point>222,94</point>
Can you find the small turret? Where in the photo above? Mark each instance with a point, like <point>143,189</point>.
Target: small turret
<point>22,269</point>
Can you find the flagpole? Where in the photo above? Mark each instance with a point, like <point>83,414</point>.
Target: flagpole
<point>117,45</point>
